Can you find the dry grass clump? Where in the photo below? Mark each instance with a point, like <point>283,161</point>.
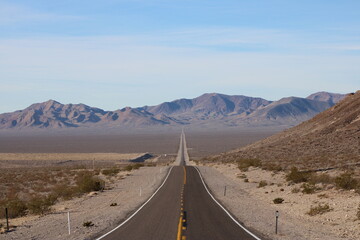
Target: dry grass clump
<point>319,209</point>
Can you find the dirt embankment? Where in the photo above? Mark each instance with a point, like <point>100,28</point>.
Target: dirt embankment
<point>253,205</point>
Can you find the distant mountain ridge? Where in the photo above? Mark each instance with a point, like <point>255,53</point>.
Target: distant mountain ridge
<point>211,109</point>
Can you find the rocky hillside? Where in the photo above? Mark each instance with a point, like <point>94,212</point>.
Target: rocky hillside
<point>330,139</point>
<point>212,110</point>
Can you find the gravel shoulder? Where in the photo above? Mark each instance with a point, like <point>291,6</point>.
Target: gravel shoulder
<point>129,192</point>
<point>255,208</point>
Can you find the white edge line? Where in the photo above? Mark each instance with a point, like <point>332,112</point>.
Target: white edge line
<point>138,209</point>
<point>253,235</point>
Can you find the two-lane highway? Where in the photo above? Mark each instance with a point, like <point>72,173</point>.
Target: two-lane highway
<point>181,209</point>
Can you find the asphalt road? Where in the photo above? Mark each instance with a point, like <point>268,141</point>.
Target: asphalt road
<point>181,209</point>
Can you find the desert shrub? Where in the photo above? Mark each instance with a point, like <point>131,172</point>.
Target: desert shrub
<point>86,182</point>
<point>246,180</point>
<point>244,164</point>
<point>346,181</point>
<point>113,204</point>
<point>41,204</point>
<point>319,209</point>
<point>88,224</point>
<point>243,176</point>
<point>278,200</point>
<point>295,190</point>
<point>128,168</point>
<point>296,176</point>
<point>110,172</point>
<point>16,208</point>
<point>64,191</point>
<point>272,167</point>
<point>308,188</point>
<point>262,184</point>
<point>138,165</point>
<point>358,213</point>
<point>323,178</point>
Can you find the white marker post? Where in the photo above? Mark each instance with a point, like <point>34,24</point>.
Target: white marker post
<point>69,222</point>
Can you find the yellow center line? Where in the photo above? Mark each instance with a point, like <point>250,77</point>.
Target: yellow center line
<point>179,229</point>
<point>184,175</point>
<point>181,220</point>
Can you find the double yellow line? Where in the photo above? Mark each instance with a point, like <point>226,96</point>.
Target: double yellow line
<point>182,220</point>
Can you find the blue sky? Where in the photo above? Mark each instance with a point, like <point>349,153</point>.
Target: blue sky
<point>111,54</point>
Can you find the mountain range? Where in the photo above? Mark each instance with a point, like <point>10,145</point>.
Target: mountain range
<point>211,109</point>
<point>330,139</point>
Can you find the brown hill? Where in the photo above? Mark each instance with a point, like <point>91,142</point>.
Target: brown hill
<point>330,139</point>
<point>331,98</point>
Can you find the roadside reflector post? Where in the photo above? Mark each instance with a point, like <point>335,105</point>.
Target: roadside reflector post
<point>276,223</point>
<point>69,228</point>
<point>7,219</point>
<point>225,190</point>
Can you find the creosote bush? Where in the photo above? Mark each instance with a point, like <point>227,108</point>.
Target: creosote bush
<point>16,208</point>
<point>244,164</point>
<point>323,178</point>
<point>296,176</point>
<point>308,188</point>
<point>86,182</point>
<point>278,200</point>
<point>262,183</point>
<point>133,167</point>
<point>41,204</point>
<point>110,172</point>
<point>319,209</point>
<point>346,181</point>
<point>272,167</point>
<point>88,224</point>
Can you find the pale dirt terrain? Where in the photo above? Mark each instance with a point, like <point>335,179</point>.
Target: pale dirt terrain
<point>255,208</point>
<point>69,156</point>
<point>14,160</point>
<point>93,207</point>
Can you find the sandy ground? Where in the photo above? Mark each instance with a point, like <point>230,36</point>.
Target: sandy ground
<point>124,192</point>
<point>255,208</point>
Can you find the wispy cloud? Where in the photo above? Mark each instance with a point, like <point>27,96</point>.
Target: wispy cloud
<point>14,13</point>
